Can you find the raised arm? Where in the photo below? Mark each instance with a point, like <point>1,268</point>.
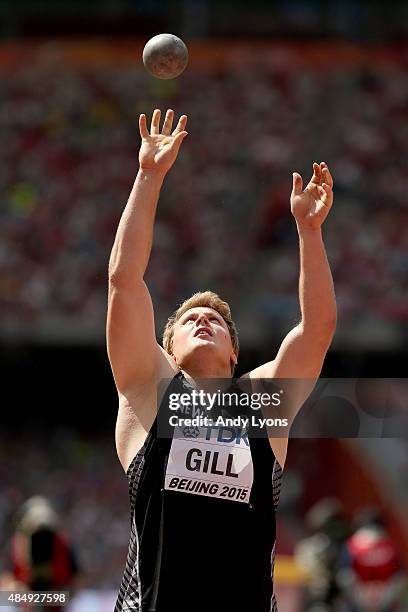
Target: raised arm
<point>303,350</point>
<point>134,355</point>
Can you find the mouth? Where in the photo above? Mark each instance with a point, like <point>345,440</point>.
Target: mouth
<point>202,331</point>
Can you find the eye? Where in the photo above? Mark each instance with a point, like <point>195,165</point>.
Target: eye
<point>216,319</point>
<point>188,320</point>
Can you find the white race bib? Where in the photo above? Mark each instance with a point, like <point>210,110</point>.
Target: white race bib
<point>210,461</point>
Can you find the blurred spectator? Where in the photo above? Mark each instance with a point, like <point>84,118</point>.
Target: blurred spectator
<point>318,554</point>
<point>372,578</point>
<point>41,557</point>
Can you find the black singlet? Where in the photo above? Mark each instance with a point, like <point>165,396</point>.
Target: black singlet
<point>193,552</point>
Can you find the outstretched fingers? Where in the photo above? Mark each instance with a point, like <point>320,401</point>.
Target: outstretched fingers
<point>317,174</point>
<point>144,132</point>
<point>326,176</point>
<point>155,125</point>
<point>181,125</point>
<point>297,184</point>
<point>168,122</point>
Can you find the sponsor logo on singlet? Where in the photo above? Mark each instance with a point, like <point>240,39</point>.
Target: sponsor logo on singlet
<point>211,461</point>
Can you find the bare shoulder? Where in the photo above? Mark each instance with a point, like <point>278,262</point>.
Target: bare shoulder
<point>279,446</point>
<point>137,409</point>
<point>280,449</point>
<point>136,412</point>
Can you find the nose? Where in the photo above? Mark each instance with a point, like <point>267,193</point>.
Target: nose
<point>202,319</point>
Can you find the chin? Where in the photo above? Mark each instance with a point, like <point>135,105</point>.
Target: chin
<point>200,350</point>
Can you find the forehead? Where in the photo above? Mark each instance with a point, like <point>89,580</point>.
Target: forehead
<point>200,310</point>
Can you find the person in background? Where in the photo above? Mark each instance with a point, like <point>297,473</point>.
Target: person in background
<point>371,576</point>
<point>318,553</point>
<point>40,557</point>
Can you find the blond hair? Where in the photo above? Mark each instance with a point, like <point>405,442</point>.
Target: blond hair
<point>210,300</point>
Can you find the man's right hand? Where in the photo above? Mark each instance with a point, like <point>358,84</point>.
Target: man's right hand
<point>159,150</point>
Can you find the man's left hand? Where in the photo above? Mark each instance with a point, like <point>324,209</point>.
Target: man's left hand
<point>310,206</point>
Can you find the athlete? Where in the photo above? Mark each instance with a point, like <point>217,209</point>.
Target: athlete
<point>202,507</point>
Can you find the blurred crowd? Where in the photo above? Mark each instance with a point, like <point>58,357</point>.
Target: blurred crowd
<point>87,489</point>
<point>69,156</point>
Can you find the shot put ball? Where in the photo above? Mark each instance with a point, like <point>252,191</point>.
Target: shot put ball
<point>165,56</point>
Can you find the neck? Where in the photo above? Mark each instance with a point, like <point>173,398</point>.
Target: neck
<point>206,372</point>
<point>205,368</point>
<point>206,382</point>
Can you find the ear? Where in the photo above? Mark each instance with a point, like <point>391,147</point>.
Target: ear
<point>170,351</point>
<point>172,355</point>
<point>233,358</point>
